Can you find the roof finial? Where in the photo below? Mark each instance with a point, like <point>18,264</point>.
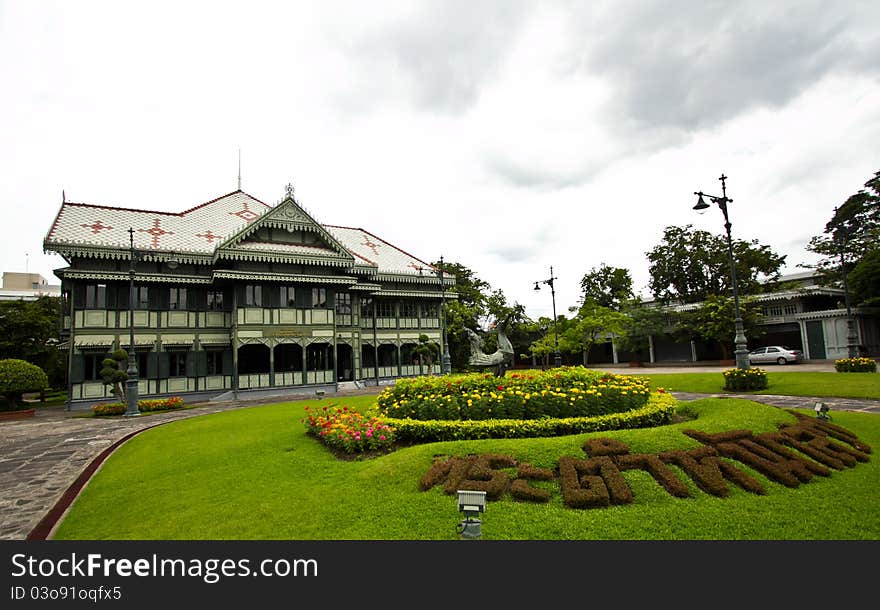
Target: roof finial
<point>239,169</point>
<point>63,197</point>
<point>289,189</point>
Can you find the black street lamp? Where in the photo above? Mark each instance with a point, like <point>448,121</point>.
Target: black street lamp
<point>557,358</point>
<point>741,352</point>
<point>445,359</point>
<point>851,337</point>
<point>131,384</point>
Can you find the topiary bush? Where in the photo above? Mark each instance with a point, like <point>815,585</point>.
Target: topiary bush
<point>855,365</point>
<point>19,376</point>
<point>738,380</point>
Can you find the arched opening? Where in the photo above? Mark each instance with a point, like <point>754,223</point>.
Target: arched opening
<point>344,356</point>
<point>388,361</point>
<point>288,364</point>
<point>319,363</point>
<point>253,366</point>
<point>409,360</point>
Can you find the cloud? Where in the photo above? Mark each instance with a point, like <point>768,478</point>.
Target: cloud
<point>443,54</point>
<point>694,65</point>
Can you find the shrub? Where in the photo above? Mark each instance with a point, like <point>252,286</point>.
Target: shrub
<point>349,431</point>
<point>856,365</point>
<point>19,376</point>
<point>144,406</point>
<point>559,393</point>
<point>659,410</point>
<point>737,380</point>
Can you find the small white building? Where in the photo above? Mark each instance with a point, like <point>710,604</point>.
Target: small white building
<point>26,287</point>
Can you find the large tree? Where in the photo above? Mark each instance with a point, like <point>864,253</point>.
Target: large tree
<point>641,321</point>
<point>591,324</point>
<point>854,232</point>
<point>607,286</point>
<point>714,320</point>
<point>689,265</point>
<point>467,311</point>
<point>29,331</point>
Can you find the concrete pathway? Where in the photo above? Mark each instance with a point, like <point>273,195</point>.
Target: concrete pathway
<point>45,460</point>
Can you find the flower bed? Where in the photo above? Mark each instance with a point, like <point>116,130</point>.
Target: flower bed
<point>855,365</point>
<point>144,406</point>
<point>567,392</point>
<point>349,431</point>
<point>737,380</point>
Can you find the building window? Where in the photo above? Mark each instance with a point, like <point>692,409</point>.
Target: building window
<point>384,309</point>
<point>177,298</point>
<point>215,300</point>
<point>343,303</point>
<point>288,296</point>
<point>253,296</point>
<point>409,309</point>
<point>215,362</point>
<point>790,309</point>
<point>141,297</point>
<point>177,364</point>
<point>772,310</point>
<point>366,307</point>
<point>430,310</point>
<point>92,365</point>
<point>319,298</point>
<point>96,296</point>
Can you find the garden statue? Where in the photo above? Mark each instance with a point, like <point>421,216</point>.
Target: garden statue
<point>501,359</point>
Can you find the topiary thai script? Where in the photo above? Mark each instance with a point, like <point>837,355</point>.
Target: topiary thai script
<point>795,454</point>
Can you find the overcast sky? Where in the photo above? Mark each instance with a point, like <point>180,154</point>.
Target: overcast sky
<point>507,136</point>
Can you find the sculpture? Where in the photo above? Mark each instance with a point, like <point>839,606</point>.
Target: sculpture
<point>501,358</point>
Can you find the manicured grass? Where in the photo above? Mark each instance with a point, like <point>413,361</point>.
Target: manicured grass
<point>252,473</point>
<point>809,383</point>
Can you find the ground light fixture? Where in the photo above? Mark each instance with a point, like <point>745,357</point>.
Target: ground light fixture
<point>822,411</point>
<point>471,504</point>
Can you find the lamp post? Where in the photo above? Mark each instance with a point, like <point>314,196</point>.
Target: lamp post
<point>741,352</point>
<point>851,336</point>
<point>445,359</point>
<point>557,358</point>
<point>131,384</point>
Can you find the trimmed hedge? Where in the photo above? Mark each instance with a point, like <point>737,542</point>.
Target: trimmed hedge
<point>855,365</point>
<point>144,406</point>
<point>566,392</point>
<point>745,379</point>
<point>659,410</point>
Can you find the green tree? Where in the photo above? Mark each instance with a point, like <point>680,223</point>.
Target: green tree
<point>29,331</point>
<point>591,325</point>
<point>19,376</point>
<point>607,286</point>
<point>854,231</point>
<point>467,311</point>
<point>689,265</point>
<point>641,321</point>
<point>864,280</point>
<point>713,320</point>
<point>427,351</point>
<point>114,372</point>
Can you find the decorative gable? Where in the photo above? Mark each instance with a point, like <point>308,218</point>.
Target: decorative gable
<point>286,233</point>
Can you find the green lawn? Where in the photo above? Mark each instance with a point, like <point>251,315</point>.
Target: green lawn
<point>839,385</point>
<point>252,473</point>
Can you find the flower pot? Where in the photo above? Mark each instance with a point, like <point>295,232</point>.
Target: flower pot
<point>20,414</point>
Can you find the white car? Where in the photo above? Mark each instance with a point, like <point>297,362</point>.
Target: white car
<point>775,353</point>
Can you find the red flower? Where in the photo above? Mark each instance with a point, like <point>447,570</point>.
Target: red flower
<point>501,387</point>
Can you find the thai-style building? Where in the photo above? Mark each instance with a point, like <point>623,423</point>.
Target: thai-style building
<point>238,296</point>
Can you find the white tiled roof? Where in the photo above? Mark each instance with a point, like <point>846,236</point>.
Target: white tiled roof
<point>200,230</point>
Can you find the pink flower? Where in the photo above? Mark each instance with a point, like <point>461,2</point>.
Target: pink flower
<point>382,438</point>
